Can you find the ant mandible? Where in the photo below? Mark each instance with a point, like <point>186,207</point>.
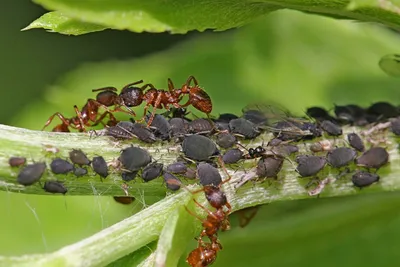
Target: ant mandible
<point>88,114</point>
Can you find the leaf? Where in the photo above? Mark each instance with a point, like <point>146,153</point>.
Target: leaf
<point>173,240</point>
<point>186,15</point>
<point>58,22</point>
<point>390,64</point>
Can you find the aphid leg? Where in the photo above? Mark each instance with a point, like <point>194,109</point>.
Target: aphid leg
<point>221,162</point>
<point>58,114</point>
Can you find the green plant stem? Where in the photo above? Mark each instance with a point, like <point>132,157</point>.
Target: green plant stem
<point>144,227</point>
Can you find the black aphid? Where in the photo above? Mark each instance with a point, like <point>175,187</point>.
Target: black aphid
<point>274,142</point>
<point>16,161</point>
<point>284,150</point>
<point>190,173</point>
<point>291,129</point>
<point>55,187</point>
<point>172,182</point>
<point>352,114</point>
<point>356,142</point>
<point>125,200</point>
<point>129,176</point>
<point>269,167</point>
<point>363,178</point>
<point>78,171</point>
<point>177,168</point>
<point>226,140</point>
<point>178,127</point>
<point>319,114</point>
<point>152,171</point>
<point>208,174</point>
<point>128,130</point>
<point>226,117</point>
<point>382,110</point>
<point>331,128</point>
<point>123,130</point>
<point>341,156</point>
<point>78,157</point>
<point>198,147</point>
<point>134,158</point>
<point>31,173</point>
<point>61,166</point>
<point>142,133</point>
<point>232,156</point>
<point>161,126</point>
<point>395,126</point>
<point>100,166</point>
<point>244,127</point>
<point>375,157</point>
<point>201,126</point>
<point>255,116</point>
<point>309,165</point>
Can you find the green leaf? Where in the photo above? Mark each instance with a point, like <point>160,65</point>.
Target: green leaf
<point>181,16</point>
<point>58,22</point>
<point>177,232</point>
<point>390,64</point>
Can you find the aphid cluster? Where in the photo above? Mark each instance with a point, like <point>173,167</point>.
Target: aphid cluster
<point>226,138</point>
<point>132,96</point>
<point>32,173</point>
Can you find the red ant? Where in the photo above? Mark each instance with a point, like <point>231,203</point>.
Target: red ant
<point>204,255</point>
<point>158,98</point>
<point>134,96</point>
<point>88,114</point>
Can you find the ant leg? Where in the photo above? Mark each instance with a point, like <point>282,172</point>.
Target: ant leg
<point>171,86</point>
<point>100,120</point>
<point>144,87</point>
<point>79,115</point>
<point>58,114</point>
<point>130,84</point>
<point>108,88</point>
<point>190,79</point>
<point>156,105</point>
<point>193,214</point>
<point>210,213</point>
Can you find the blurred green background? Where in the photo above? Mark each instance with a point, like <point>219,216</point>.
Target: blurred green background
<point>289,58</point>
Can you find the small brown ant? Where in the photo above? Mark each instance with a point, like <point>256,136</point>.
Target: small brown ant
<point>83,118</point>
